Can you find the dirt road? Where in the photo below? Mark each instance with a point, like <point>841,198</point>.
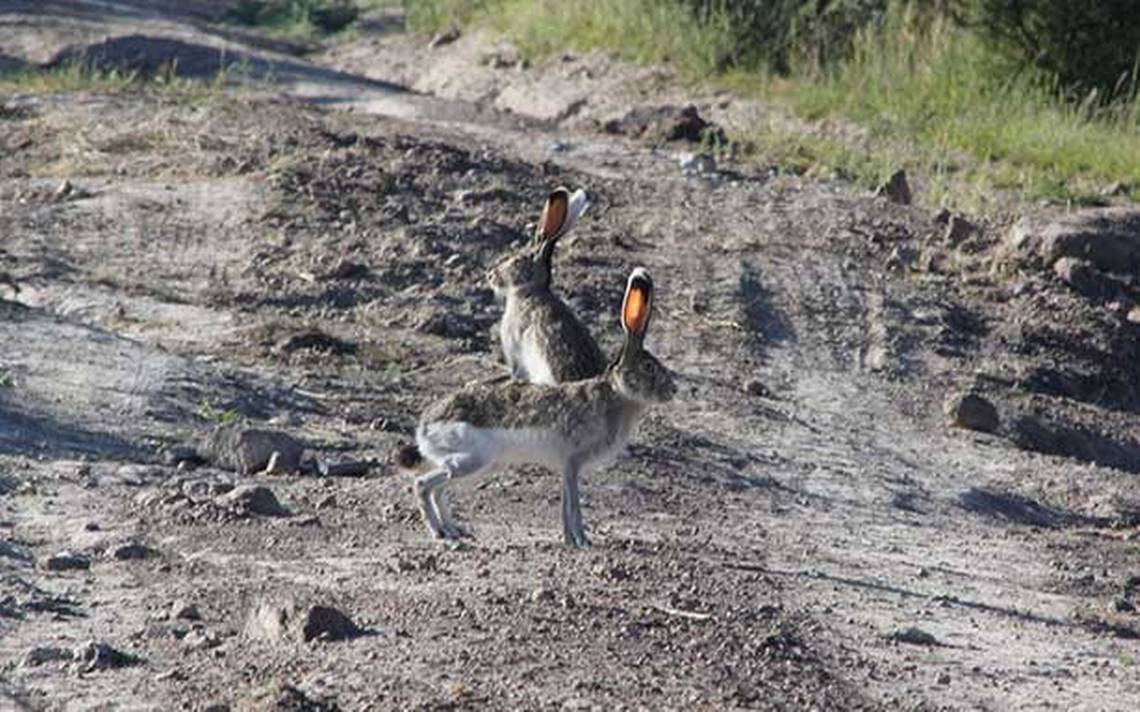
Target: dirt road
<point>304,251</point>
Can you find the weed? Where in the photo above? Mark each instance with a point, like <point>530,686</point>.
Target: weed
<point>211,415</point>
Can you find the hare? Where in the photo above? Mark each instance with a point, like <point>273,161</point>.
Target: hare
<point>569,428</point>
<point>542,340</point>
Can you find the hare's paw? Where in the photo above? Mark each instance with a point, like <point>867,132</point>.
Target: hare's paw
<point>576,538</point>
<point>454,530</point>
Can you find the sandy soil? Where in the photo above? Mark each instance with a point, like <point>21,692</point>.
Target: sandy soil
<point>801,529</point>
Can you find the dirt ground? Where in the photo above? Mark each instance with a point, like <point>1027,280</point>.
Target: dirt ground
<point>305,251</point>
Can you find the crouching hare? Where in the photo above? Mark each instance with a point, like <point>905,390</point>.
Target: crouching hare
<point>570,428</point>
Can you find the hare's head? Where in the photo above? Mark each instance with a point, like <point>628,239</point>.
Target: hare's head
<point>637,373</point>
<point>531,267</point>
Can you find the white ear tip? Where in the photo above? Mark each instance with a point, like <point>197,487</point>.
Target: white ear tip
<point>640,274</point>
<point>579,201</point>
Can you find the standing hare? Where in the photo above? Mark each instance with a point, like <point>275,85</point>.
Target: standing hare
<point>543,342</point>
<point>570,428</point>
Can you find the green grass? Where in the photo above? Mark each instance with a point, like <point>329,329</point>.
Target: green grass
<point>931,95</point>
<point>78,76</point>
<point>210,414</point>
<point>297,19</point>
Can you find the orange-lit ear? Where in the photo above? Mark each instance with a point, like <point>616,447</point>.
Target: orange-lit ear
<point>636,306</point>
<point>554,214</point>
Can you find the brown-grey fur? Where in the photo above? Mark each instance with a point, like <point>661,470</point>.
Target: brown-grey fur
<point>532,312</point>
<point>578,425</point>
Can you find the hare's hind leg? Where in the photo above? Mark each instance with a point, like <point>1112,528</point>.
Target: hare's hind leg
<point>423,488</point>
<point>573,533</point>
<point>457,466</point>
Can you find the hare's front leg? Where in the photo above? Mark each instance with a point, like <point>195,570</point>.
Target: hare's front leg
<point>572,530</point>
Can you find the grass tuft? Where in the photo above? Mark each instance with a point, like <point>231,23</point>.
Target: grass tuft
<point>931,94</point>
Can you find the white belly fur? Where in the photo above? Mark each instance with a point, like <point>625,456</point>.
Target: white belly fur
<point>532,357</point>
<point>440,441</point>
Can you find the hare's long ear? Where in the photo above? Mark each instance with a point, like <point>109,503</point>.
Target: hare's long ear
<point>637,307</point>
<point>561,211</point>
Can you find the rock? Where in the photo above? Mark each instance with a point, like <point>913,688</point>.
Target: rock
<point>896,189</point>
<point>958,229</point>
<point>315,340</point>
<point>181,610</point>
<point>666,123</point>
<point>971,411</point>
<point>1085,278</point>
<point>131,551</point>
<point>67,561</point>
<point>446,37</point>
<point>253,499</point>
<point>62,191</point>
<point>284,697</point>
<point>201,640</point>
<point>501,56</point>
<point>1133,315</point>
<point>687,125</point>
<point>943,679</point>
<point>697,163</point>
<point>289,621</point>
<point>247,450</point>
<point>448,326</point>
<point>346,269</point>
<point>182,453</point>
<point>933,260</point>
<point>541,594</point>
<point>1123,605</point>
<point>756,388</point>
<point>1115,188</point>
<point>97,655</point>
<point>347,468</point>
<point>913,636</point>
<point>44,654</point>
<point>1109,238</point>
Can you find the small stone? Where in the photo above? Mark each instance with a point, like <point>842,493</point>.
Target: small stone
<point>44,654</point>
<point>1084,277</point>
<point>289,621</point>
<point>1123,605</point>
<point>944,679</point>
<point>248,450</point>
<point>756,388</point>
<point>1115,188</point>
<point>62,191</point>
<point>896,189</point>
<point>446,37</point>
<point>913,636</point>
<point>253,499</point>
<point>97,655</point>
<point>541,594</point>
<point>131,551</point>
<point>326,502</point>
<point>201,640</point>
<point>178,454</point>
<point>67,561</point>
<point>185,611</point>
<point>958,229</point>
<point>971,411</point>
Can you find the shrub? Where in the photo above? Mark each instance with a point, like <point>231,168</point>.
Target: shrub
<point>325,15</point>
<point>1087,46</point>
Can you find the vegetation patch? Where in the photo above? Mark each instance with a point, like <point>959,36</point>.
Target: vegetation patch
<point>944,87</point>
